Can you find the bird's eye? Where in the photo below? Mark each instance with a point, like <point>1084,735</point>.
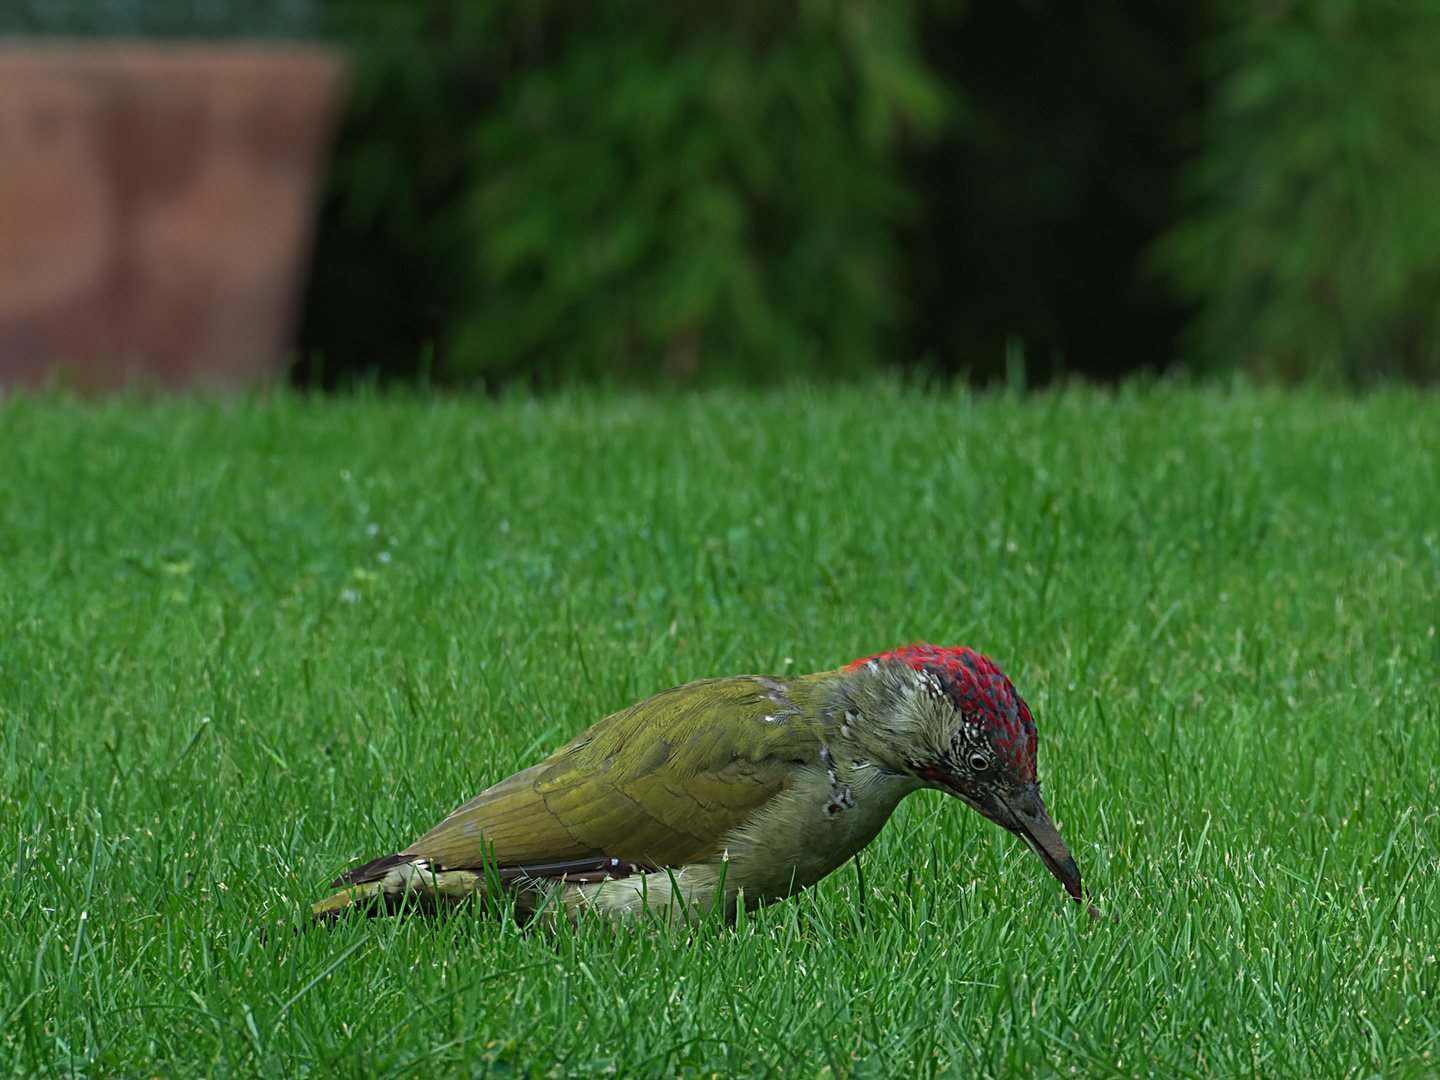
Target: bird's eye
<point>979,762</point>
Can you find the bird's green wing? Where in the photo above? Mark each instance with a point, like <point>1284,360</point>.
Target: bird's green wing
<point>661,783</point>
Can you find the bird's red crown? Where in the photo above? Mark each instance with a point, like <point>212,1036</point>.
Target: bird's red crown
<point>978,688</point>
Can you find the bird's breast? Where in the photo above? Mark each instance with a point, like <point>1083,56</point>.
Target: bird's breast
<point>829,812</point>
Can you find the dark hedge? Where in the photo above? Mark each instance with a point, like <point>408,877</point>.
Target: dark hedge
<point>746,192</point>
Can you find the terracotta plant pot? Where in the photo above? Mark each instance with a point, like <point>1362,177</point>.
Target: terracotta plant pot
<point>156,208</point>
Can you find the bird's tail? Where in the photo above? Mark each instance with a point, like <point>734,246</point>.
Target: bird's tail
<point>363,886</point>
<point>340,901</point>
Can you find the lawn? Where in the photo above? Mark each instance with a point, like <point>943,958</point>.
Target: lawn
<point>245,644</point>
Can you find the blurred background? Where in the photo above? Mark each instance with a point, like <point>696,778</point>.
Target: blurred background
<point>1009,191</point>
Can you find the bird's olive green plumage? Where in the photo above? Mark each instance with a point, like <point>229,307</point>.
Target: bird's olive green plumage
<point>658,784</point>
<point>763,782</point>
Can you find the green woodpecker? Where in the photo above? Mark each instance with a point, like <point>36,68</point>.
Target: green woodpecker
<point>738,791</point>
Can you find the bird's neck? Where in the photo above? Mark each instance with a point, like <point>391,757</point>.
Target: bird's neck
<point>871,713</point>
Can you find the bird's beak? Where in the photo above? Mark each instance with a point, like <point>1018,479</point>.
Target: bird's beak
<point>1031,823</point>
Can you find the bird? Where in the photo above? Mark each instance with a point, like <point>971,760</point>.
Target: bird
<point>729,794</point>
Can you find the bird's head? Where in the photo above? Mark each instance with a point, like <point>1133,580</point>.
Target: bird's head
<point>951,719</point>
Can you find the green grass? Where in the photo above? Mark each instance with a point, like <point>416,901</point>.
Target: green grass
<point>244,644</point>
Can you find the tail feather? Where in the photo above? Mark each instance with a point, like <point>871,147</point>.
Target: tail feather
<point>364,883</point>
<point>333,905</point>
<point>374,870</point>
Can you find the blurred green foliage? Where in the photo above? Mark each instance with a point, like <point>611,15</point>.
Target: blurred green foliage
<point>698,192</point>
<point>548,190</point>
<point>1313,249</point>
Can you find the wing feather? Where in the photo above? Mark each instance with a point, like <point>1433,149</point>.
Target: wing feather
<point>661,783</point>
